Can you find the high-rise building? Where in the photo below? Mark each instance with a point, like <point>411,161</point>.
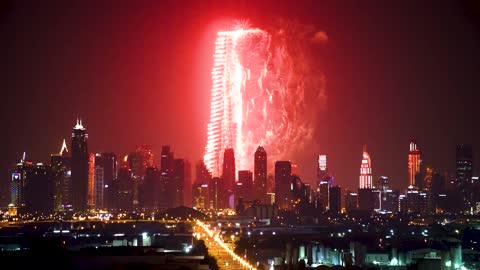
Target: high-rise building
<point>384,183</point>
<point>245,186</point>
<point>366,170</point>
<point>167,186</point>
<point>351,201</point>
<point>260,171</point>
<point>200,196</point>
<point>149,194</point>
<point>367,199</point>
<point>200,186</point>
<point>105,173</point>
<point>270,183</point>
<point>322,170</point>
<point>228,172</point>
<point>283,173</point>
<point>39,190</point>
<point>19,176</point>
<point>91,181</point>
<point>335,200</point>
<point>324,192</point>
<point>427,180</point>
<point>414,163</point>
<point>464,169</point>
<point>61,171</point>
<point>215,195</point>
<point>178,182</point>
<point>79,179</point>
<point>138,162</point>
<point>123,189</point>
<point>187,184</point>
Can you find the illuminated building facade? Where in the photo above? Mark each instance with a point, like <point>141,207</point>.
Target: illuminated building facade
<point>260,171</point>
<point>366,170</point>
<point>414,163</point>
<point>18,180</point>
<point>322,170</point>
<point>91,181</point>
<point>80,157</point>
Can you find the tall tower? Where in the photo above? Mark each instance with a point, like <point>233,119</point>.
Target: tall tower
<point>167,186</point>
<point>283,179</point>
<point>228,172</point>
<point>260,180</point>
<point>105,173</point>
<point>80,157</point>
<point>414,163</point>
<point>322,170</point>
<point>464,167</point>
<point>366,170</point>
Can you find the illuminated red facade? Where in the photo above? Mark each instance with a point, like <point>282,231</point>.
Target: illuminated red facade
<point>414,163</point>
<point>366,170</point>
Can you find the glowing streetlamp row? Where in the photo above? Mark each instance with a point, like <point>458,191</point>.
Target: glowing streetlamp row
<point>219,241</point>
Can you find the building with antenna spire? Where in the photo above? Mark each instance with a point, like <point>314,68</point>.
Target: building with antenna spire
<point>80,157</point>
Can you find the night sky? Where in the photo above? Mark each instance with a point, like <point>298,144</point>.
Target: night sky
<point>139,72</point>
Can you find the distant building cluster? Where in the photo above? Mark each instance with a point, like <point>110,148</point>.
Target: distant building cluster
<point>77,180</point>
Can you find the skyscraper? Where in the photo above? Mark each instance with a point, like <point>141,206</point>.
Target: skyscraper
<point>167,187</point>
<point>283,176</point>
<point>19,176</point>
<point>105,173</point>
<point>91,181</point>
<point>245,186</point>
<point>138,162</point>
<point>322,170</point>
<point>228,172</point>
<point>464,168</point>
<point>149,194</point>
<point>39,190</point>
<point>61,171</point>
<point>414,163</point>
<point>79,167</point>
<point>335,200</point>
<point>366,170</point>
<point>178,182</point>
<point>260,170</point>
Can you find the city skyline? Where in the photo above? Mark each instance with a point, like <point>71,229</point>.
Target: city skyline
<point>394,120</point>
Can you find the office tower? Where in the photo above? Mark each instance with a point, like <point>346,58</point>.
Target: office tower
<point>427,180</point>
<point>335,200</point>
<point>260,171</point>
<point>200,186</point>
<point>245,186</point>
<point>200,196</point>
<point>91,181</point>
<point>61,172</point>
<point>283,173</point>
<point>390,201</point>
<point>228,172</point>
<point>79,179</point>
<point>167,187</point>
<point>323,192</point>
<point>18,176</point>
<point>415,201</point>
<point>187,184</point>
<point>366,199</point>
<point>383,183</point>
<point>105,173</point>
<point>215,193</point>
<point>39,190</point>
<point>299,192</point>
<point>178,182</point>
<point>464,167</point>
<point>270,183</point>
<point>366,170</point>
<point>149,194</point>
<point>123,189</point>
<point>414,162</point>
<point>138,162</point>
<point>322,170</point>
<point>351,201</point>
